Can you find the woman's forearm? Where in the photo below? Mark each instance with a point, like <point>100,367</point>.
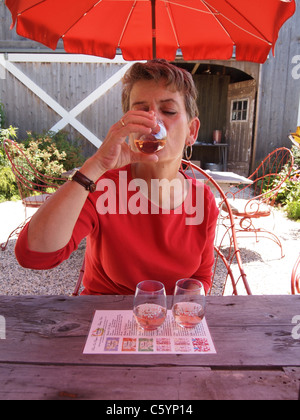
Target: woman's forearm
<point>51,227</point>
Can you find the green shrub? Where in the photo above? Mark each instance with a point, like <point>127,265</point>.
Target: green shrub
<point>289,191</point>
<point>44,156</point>
<point>51,154</point>
<point>289,194</point>
<point>8,186</point>
<point>293,210</point>
<point>56,147</point>
<point>296,154</point>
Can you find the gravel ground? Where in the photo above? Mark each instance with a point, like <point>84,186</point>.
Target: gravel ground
<point>267,273</point>
<point>16,280</point>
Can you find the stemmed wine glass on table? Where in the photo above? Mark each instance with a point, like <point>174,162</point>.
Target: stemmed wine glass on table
<point>188,303</point>
<point>150,304</point>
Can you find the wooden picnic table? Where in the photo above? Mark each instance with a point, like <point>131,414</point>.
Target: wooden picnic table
<point>257,340</point>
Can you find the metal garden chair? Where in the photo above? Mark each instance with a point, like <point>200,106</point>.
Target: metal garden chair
<point>256,201</point>
<point>227,253</point>
<point>34,187</point>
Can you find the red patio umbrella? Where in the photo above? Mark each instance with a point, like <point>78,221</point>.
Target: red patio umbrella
<point>144,29</point>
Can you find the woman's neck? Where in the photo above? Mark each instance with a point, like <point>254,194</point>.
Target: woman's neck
<point>157,170</point>
<point>166,186</point>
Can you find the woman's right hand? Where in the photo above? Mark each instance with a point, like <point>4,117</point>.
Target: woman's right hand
<point>114,151</point>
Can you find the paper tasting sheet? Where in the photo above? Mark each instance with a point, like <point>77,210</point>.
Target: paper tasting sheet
<point>118,332</point>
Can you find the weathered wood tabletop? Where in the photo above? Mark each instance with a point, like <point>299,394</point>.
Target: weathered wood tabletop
<point>257,339</point>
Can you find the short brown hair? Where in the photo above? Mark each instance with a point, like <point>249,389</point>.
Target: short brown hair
<point>159,69</point>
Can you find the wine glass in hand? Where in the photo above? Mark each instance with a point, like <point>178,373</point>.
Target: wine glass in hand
<point>153,142</point>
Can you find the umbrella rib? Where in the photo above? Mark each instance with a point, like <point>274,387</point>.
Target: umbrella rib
<point>171,21</point>
<point>248,32</point>
<point>263,37</point>
<point>81,17</point>
<point>235,24</point>
<point>126,23</point>
<point>209,7</point>
<point>211,12</point>
<point>23,11</point>
<point>187,7</point>
<point>30,7</point>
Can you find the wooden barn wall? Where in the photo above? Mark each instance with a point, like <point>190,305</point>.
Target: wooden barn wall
<point>212,103</point>
<point>279,91</point>
<point>68,84</point>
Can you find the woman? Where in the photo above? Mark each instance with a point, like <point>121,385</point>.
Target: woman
<point>131,236</point>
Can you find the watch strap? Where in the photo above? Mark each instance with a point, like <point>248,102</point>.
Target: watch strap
<point>81,179</point>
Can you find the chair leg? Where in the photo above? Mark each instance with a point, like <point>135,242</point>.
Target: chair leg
<point>79,281</point>
<point>261,233</point>
<point>295,279</point>
<point>227,262</point>
<point>246,226</point>
<point>15,232</point>
<point>3,246</point>
<point>228,238</point>
<point>229,271</point>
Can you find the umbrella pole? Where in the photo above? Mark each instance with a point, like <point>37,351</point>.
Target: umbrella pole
<point>153,9</point>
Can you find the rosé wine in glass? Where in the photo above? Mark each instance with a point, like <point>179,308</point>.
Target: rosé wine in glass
<point>188,314</point>
<point>150,316</point>
<point>150,304</point>
<point>153,142</point>
<point>188,303</point>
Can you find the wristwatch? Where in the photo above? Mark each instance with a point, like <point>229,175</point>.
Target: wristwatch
<point>87,183</point>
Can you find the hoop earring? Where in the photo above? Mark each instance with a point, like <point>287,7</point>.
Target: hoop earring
<point>188,153</point>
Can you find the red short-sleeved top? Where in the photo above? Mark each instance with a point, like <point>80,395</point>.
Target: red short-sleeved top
<point>129,239</point>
